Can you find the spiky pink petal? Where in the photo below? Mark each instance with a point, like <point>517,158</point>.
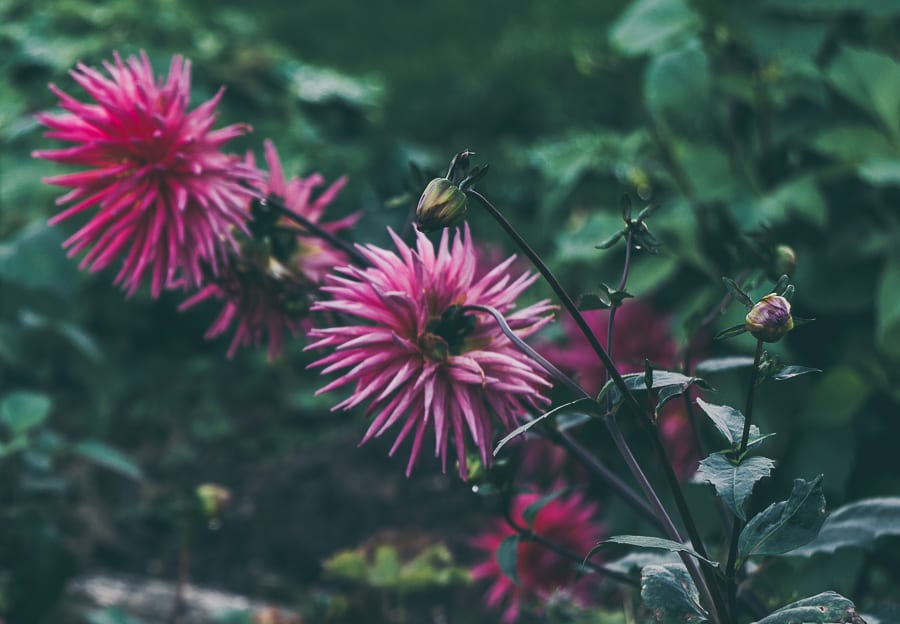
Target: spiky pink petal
<point>393,355</point>
<point>163,195</point>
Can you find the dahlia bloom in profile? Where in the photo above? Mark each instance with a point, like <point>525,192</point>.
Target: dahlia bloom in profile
<point>640,332</point>
<point>569,521</point>
<point>268,287</point>
<point>416,356</point>
<point>163,195</point>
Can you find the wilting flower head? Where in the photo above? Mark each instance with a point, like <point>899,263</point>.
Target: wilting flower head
<point>268,286</point>
<point>411,350</point>
<point>568,521</point>
<point>165,197</point>
<point>770,318</point>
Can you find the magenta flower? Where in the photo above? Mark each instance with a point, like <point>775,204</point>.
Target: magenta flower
<point>268,288</point>
<point>165,197</point>
<point>567,521</point>
<point>415,354</point>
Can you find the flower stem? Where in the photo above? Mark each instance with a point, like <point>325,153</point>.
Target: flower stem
<point>316,230</point>
<point>737,525</point>
<point>614,374</point>
<point>562,551</point>
<point>561,437</point>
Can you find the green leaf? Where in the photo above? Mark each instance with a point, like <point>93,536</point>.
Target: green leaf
<point>853,144</point>
<point>508,557</point>
<point>22,411</point>
<point>677,88</point>
<point>718,365</point>
<point>651,542</point>
<point>881,171</point>
<point>785,525</point>
<point>661,379</point>
<point>34,258</point>
<point>856,525</point>
<point>789,372</point>
<point>731,332</point>
<point>728,421</point>
<point>887,306</point>
<point>104,455</point>
<point>111,616</point>
<point>871,80</point>
<point>612,240</point>
<point>799,197</point>
<point>836,397</point>
<point>738,292</point>
<point>385,570</point>
<point>579,405</point>
<point>530,512</point>
<point>733,482</point>
<point>669,593</point>
<point>651,26</point>
<point>825,608</point>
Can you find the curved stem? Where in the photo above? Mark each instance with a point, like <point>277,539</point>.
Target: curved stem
<point>562,551</point>
<point>622,282</point>
<point>317,230</point>
<point>697,573</point>
<point>737,525</point>
<point>563,438</point>
<point>619,382</point>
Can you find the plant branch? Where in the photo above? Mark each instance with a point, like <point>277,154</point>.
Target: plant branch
<point>737,525</point>
<point>317,230</point>
<point>562,551</point>
<point>564,439</point>
<point>620,384</point>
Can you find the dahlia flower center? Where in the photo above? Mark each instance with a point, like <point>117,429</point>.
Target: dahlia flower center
<point>445,335</point>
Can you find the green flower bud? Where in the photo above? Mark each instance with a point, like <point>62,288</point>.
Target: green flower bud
<point>770,318</point>
<point>785,260</point>
<point>214,499</point>
<point>442,204</point>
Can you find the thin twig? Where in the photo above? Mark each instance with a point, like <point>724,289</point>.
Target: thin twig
<point>562,551</point>
<point>317,230</point>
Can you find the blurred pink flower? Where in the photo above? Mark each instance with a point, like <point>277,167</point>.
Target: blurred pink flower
<point>268,288</point>
<point>567,521</point>
<point>415,354</point>
<point>165,197</point>
<point>640,332</point>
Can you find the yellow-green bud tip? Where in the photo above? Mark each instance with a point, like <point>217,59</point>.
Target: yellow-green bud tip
<point>442,205</point>
<point>214,499</point>
<point>785,260</point>
<point>770,318</point>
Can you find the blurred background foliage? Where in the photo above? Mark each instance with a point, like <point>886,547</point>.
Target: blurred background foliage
<point>750,124</point>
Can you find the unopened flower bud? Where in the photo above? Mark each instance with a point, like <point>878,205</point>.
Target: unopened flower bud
<point>442,204</point>
<point>770,318</point>
<point>785,260</point>
<point>214,499</point>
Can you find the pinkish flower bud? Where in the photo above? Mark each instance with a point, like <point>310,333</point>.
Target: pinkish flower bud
<point>770,318</point>
<point>442,205</point>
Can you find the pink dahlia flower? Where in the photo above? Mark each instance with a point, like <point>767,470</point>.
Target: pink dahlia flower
<point>640,332</point>
<point>568,521</point>
<point>268,288</point>
<point>165,197</point>
<point>416,355</point>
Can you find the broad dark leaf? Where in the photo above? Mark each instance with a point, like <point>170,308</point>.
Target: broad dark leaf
<point>825,608</point>
<point>856,525</point>
<point>786,525</point>
<point>669,593</point>
<point>508,557</point>
<point>733,482</point>
<point>644,541</point>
